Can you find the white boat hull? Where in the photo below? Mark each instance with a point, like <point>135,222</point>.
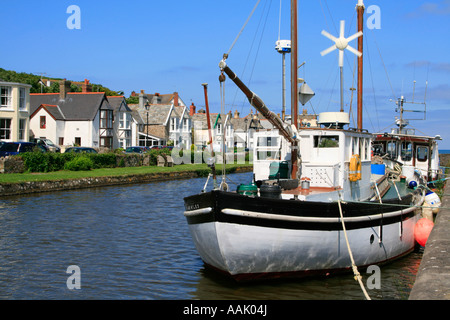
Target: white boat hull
<point>247,252</point>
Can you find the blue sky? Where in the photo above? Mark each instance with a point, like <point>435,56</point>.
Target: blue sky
<point>167,46</point>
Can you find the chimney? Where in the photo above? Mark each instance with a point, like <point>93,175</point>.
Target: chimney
<point>142,99</point>
<point>236,114</point>
<point>86,87</point>
<point>156,98</point>
<point>64,88</point>
<point>192,109</point>
<point>175,99</point>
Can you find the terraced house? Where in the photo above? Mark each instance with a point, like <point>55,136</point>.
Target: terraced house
<point>73,118</point>
<point>14,111</point>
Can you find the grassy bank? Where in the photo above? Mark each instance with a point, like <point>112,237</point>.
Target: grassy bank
<point>202,169</point>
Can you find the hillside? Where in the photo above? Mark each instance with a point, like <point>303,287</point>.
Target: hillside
<point>36,87</point>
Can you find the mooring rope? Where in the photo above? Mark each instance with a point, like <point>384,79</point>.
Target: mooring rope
<point>354,267</point>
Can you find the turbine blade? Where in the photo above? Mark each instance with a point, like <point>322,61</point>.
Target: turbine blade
<point>356,35</point>
<point>326,51</point>
<point>341,58</point>
<point>351,49</point>
<point>342,30</point>
<point>329,36</point>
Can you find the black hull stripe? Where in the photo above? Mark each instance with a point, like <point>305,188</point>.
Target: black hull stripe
<point>215,206</point>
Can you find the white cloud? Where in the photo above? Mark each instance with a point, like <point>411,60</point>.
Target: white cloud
<point>441,8</point>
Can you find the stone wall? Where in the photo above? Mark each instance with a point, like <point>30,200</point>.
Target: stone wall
<point>11,165</point>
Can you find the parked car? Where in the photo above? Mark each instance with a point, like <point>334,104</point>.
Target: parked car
<point>136,149</point>
<point>80,150</point>
<point>13,148</point>
<point>48,144</point>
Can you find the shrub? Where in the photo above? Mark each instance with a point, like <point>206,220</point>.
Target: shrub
<point>102,160</point>
<point>81,163</point>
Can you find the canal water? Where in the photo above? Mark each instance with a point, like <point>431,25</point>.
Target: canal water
<point>132,242</point>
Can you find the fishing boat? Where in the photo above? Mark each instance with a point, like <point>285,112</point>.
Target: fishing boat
<point>317,205</point>
<point>418,155</point>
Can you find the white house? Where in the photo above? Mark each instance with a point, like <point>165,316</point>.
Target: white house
<point>14,111</point>
<point>72,118</point>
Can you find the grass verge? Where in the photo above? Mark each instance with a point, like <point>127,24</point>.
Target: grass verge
<point>105,172</point>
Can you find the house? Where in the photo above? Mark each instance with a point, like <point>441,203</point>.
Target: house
<point>238,132</point>
<point>166,120</point>
<point>14,111</point>
<point>73,118</point>
<point>125,127</point>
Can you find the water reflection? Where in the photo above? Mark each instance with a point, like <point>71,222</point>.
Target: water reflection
<point>132,242</point>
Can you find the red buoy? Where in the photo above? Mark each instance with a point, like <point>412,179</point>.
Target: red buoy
<point>422,231</point>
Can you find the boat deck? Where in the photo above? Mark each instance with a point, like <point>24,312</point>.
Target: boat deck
<point>312,190</point>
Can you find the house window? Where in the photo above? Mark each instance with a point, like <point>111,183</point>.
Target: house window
<point>173,124</point>
<point>78,141</point>
<point>124,120</point>
<point>42,122</point>
<point>219,128</point>
<point>5,129</point>
<point>106,142</point>
<point>22,99</point>
<point>5,97</point>
<point>61,141</point>
<point>22,127</point>
<point>186,125</point>
<point>106,119</point>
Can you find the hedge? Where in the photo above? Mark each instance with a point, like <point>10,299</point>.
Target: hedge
<point>50,161</point>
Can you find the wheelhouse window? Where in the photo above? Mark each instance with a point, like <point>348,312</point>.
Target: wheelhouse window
<point>268,148</point>
<point>5,129</point>
<point>378,149</point>
<point>391,149</point>
<point>406,151</point>
<point>5,97</point>
<point>422,154</point>
<point>326,141</point>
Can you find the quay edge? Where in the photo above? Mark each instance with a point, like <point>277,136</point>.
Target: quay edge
<point>433,278</point>
<point>29,187</point>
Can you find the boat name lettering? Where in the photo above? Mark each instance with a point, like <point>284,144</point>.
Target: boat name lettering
<point>194,206</point>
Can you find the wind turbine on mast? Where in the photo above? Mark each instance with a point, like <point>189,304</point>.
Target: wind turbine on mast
<point>341,44</point>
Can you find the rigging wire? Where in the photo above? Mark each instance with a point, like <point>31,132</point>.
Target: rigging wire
<point>243,27</point>
<point>373,86</point>
<point>384,66</point>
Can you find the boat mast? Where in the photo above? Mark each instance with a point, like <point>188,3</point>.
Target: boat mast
<point>360,10</point>
<point>294,94</point>
<point>213,166</point>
